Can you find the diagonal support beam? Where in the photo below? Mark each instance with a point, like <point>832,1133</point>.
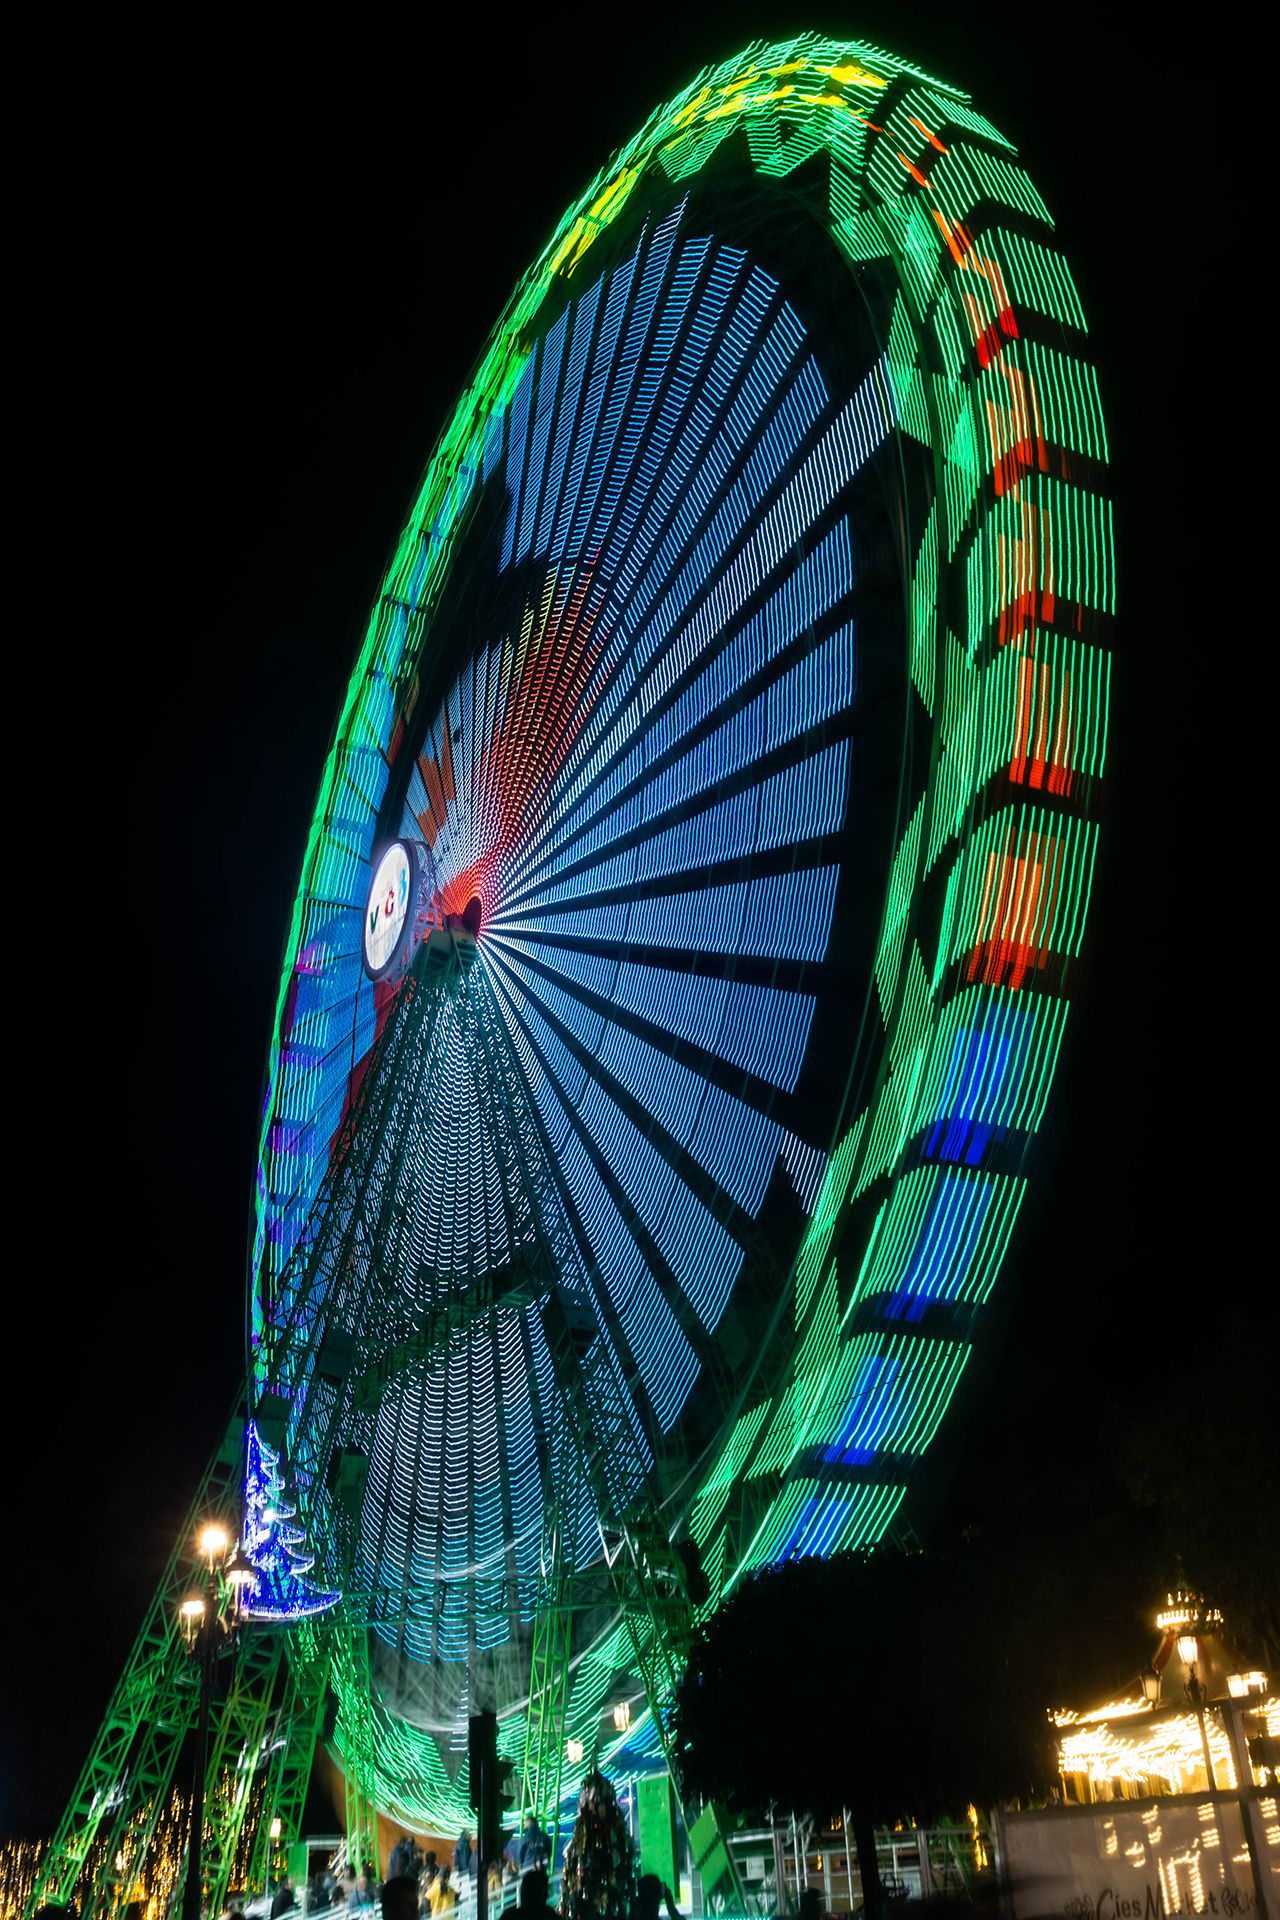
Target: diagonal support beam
<point>119,1798</point>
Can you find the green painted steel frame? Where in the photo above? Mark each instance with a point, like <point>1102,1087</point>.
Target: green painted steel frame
<point>264,1728</point>
<point>119,1797</point>
<point>355,1736</point>
<point>236,1755</point>
<point>292,1749</point>
<point>548,1691</point>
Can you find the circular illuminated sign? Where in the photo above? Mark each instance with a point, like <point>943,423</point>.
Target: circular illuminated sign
<point>387,909</point>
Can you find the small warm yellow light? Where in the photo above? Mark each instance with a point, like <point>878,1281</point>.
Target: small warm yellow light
<point>276,1828</point>
<point>622,1715</point>
<point>214,1541</point>
<point>573,1751</point>
<point>192,1609</point>
<point>1188,1649</point>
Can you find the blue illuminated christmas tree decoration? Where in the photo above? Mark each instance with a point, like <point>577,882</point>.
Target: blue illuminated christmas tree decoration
<point>273,1548</point>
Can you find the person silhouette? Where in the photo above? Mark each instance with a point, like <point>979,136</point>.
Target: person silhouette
<point>533,1896</point>
<point>651,1897</point>
<point>400,1897</point>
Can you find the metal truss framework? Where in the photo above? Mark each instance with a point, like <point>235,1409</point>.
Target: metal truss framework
<point>351,1646</point>
<point>235,1752</point>
<point>121,1793</point>
<point>290,1748</point>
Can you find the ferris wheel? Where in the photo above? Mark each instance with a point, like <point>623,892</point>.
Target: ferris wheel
<point>680,960</point>
<point>716,779</point>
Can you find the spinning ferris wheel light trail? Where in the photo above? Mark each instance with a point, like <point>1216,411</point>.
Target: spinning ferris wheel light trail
<point>680,960</point>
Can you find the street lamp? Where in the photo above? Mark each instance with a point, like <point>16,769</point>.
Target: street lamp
<point>208,1623</point>
<point>1243,1689</point>
<point>1189,1654</point>
<point>1185,1620</point>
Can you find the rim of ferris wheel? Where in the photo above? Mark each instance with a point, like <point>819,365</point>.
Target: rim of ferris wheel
<point>725,742</point>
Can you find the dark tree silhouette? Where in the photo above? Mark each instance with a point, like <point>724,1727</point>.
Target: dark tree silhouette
<point>890,1684</point>
<point>1195,1455</point>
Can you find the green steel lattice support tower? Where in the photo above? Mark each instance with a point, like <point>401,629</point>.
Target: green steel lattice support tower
<point>123,1787</point>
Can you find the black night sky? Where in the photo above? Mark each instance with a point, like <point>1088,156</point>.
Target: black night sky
<point>254,274</point>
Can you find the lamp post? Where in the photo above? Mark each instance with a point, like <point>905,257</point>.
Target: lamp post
<point>208,1621</point>
<point>1184,1620</point>
<point>1189,1654</point>
<point>1243,1688</point>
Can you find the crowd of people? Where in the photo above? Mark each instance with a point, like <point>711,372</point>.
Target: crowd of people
<point>325,1891</point>
<point>419,1886</point>
<point>423,1887</point>
<point>427,1886</point>
<point>402,1898</point>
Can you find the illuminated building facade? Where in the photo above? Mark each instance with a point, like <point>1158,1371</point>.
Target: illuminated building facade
<point>1169,1732</point>
<point>1170,1798</point>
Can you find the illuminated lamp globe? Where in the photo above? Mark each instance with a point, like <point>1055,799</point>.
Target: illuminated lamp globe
<point>239,1579</point>
<point>214,1541</point>
<point>190,1616</point>
<point>1188,1649</point>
